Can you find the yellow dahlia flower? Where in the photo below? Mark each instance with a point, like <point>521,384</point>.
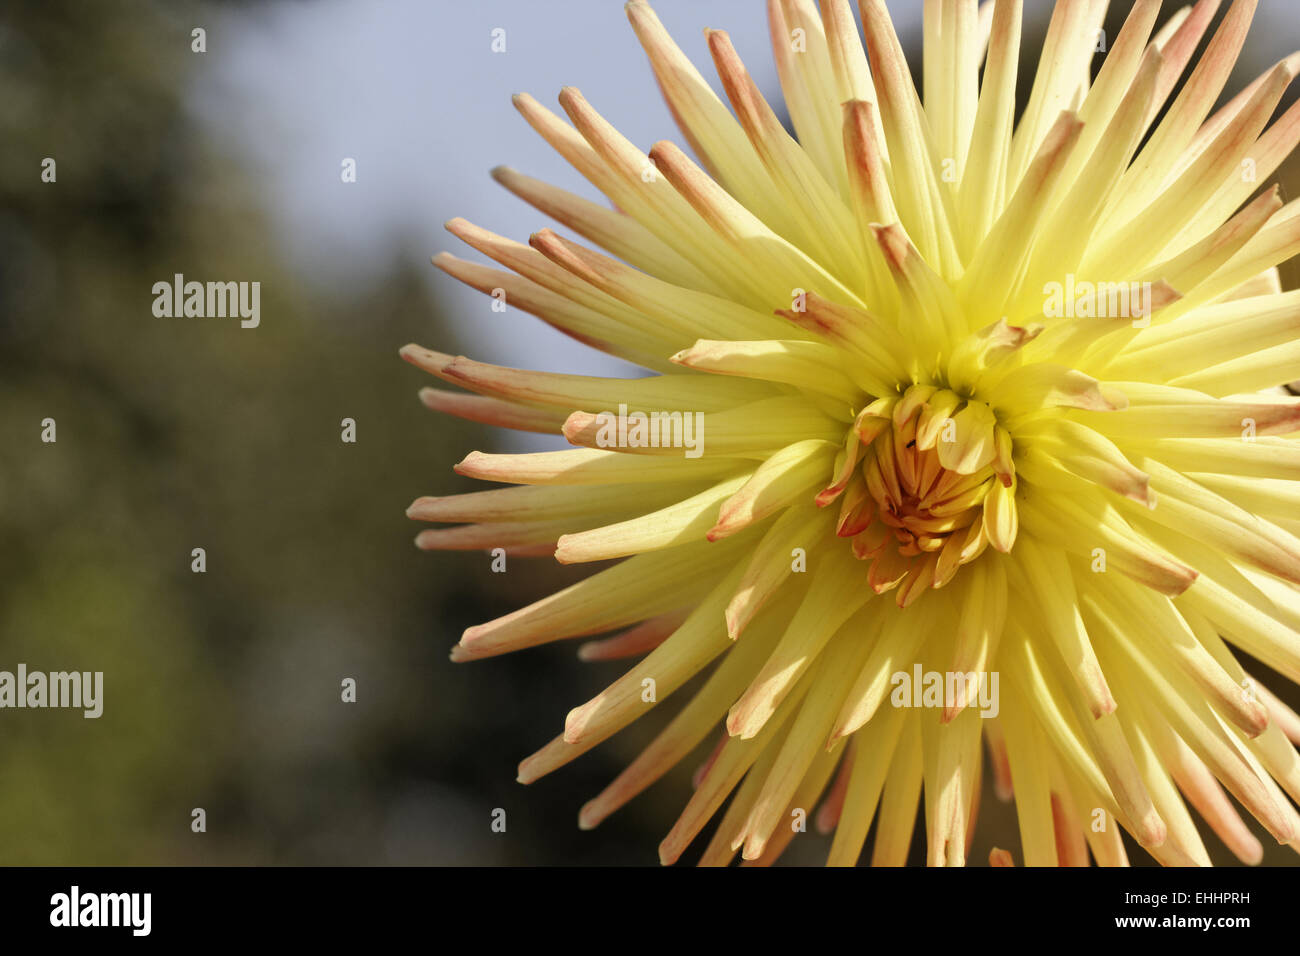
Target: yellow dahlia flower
<point>953,438</point>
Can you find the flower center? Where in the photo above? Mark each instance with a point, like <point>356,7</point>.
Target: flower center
<point>923,482</point>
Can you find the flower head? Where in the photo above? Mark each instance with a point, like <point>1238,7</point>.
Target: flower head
<point>954,438</point>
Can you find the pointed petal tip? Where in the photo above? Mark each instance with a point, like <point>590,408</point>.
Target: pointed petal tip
<point>435,363</point>
<point>419,505</point>
<point>574,425</point>
<point>723,529</point>
<point>459,226</point>
<point>564,556</point>
<point>1102,707</point>
<point>461,466</point>
<point>575,723</point>
<point>742,723</point>
<point>571,98</point>
<point>527,773</point>
<point>663,152</point>
<point>735,622</point>
<point>669,852</point>
<point>590,817</point>
<point>1257,714</point>
<point>1151,830</point>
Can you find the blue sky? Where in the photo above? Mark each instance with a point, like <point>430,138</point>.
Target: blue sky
<point>413,92</point>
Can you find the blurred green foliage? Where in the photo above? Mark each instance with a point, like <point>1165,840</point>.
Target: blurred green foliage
<point>222,689</point>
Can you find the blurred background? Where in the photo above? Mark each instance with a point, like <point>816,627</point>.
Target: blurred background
<point>222,689</point>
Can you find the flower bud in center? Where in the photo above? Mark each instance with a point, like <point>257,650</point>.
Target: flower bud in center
<point>925,483</point>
